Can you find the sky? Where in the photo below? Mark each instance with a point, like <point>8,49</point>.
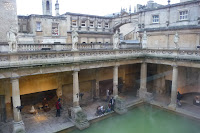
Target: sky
<point>92,7</point>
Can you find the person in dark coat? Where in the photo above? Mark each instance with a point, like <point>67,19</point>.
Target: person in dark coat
<point>112,103</point>
<point>58,107</point>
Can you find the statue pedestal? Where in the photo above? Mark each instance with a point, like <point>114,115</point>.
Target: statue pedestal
<point>18,127</point>
<point>74,49</point>
<point>172,106</point>
<point>79,118</point>
<point>120,105</point>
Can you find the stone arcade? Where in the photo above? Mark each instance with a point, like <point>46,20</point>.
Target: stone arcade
<point>148,54</point>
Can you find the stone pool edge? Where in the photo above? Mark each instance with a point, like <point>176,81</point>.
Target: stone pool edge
<point>178,111</point>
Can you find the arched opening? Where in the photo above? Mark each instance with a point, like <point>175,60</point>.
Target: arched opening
<point>47,5</point>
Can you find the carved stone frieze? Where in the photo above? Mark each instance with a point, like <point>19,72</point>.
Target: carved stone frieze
<point>4,58</point>
<point>23,57</point>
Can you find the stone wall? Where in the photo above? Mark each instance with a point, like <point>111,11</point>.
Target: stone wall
<point>8,18</point>
<point>188,39</point>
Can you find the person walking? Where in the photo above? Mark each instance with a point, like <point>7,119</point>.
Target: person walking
<point>58,107</point>
<point>107,95</point>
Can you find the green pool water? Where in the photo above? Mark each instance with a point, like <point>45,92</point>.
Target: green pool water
<point>144,119</point>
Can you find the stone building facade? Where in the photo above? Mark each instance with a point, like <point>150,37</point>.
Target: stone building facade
<point>8,19</point>
<point>44,60</point>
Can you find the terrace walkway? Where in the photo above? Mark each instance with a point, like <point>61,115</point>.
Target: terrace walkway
<point>48,123</point>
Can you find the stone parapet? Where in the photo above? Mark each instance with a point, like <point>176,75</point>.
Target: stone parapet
<point>24,59</point>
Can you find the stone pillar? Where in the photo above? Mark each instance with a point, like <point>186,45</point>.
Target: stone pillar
<point>143,80</point>
<point>59,82</point>
<point>75,89</point>
<point>97,84</point>
<point>115,81</point>
<point>172,105</point>
<point>18,123</point>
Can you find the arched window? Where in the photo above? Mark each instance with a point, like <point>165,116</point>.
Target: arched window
<point>47,5</point>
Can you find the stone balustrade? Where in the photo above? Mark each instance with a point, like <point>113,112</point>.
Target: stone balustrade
<point>61,47</point>
<point>68,47</point>
<point>59,57</point>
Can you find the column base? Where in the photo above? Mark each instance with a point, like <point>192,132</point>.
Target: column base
<point>18,127</point>
<point>172,106</point>
<point>144,95</point>
<point>120,105</point>
<point>79,118</point>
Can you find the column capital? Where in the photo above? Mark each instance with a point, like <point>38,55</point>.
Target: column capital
<point>12,79</point>
<point>115,66</point>
<point>174,65</point>
<point>76,70</point>
<point>143,62</point>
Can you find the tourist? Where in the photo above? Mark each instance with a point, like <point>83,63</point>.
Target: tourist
<point>45,105</point>
<point>58,107</point>
<point>98,112</point>
<point>196,101</point>
<point>108,95</point>
<point>179,96</point>
<point>112,102</point>
<point>102,110</point>
<point>108,109</point>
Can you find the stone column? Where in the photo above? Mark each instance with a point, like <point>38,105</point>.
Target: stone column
<point>172,105</point>
<point>16,99</point>
<point>75,89</point>
<point>59,82</point>
<point>115,81</point>
<point>97,84</point>
<point>143,80</point>
<point>18,123</point>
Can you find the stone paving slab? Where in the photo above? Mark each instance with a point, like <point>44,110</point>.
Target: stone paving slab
<point>48,123</point>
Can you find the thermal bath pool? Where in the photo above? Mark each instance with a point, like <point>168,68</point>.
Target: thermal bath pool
<point>144,119</point>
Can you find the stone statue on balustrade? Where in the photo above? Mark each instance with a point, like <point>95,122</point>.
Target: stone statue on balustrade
<point>12,39</point>
<point>176,40</point>
<point>74,40</point>
<point>116,40</point>
<point>144,40</point>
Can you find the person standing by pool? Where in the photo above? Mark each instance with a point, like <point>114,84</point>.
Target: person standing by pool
<point>108,95</point>
<point>58,107</point>
<point>112,102</point>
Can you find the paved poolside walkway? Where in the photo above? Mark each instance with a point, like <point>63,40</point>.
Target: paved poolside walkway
<point>46,122</point>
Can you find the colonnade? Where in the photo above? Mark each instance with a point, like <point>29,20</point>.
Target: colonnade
<point>18,122</point>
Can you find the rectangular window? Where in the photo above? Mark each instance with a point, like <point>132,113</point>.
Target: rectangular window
<point>83,23</point>
<point>99,25</point>
<point>24,28</point>
<point>55,29</point>
<point>91,24</point>
<point>38,26</point>
<point>155,19</point>
<point>183,15</point>
<point>74,23</point>
<point>106,25</point>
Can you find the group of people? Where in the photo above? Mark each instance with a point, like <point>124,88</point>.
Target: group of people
<point>109,107</point>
